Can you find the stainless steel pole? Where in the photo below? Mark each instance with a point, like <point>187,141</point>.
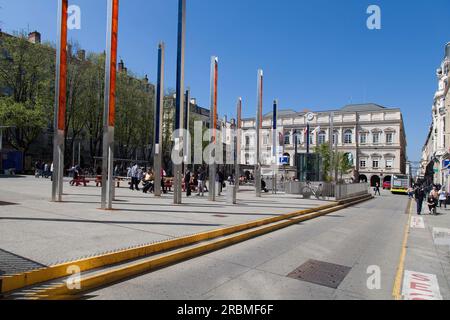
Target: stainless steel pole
<point>159,111</point>
<point>60,102</point>
<point>274,145</point>
<point>110,104</point>
<point>259,108</point>
<point>179,107</point>
<point>213,127</point>
<point>237,168</point>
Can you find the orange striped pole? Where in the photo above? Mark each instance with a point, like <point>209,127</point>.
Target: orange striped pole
<point>213,122</point>
<point>109,114</point>
<point>60,102</point>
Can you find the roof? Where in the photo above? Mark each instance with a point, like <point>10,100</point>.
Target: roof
<point>363,107</point>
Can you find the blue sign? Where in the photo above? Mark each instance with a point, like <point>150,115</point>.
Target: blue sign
<point>284,160</point>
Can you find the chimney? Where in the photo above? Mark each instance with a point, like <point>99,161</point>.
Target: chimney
<point>81,54</point>
<point>34,37</point>
<point>122,66</point>
<point>146,79</point>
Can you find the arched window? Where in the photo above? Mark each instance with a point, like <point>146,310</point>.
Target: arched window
<point>321,137</point>
<point>348,136</point>
<point>335,137</point>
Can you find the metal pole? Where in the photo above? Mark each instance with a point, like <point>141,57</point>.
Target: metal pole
<point>110,104</point>
<point>238,144</point>
<point>179,107</point>
<point>60,102</point>
<point>187,104</point>
<point>274,145</point>
<point>213,127</point>
<point>308,137</point>
<point>259,108</point>
<point>159,109</point>
<point>79,153</point>
<point>331,138</point>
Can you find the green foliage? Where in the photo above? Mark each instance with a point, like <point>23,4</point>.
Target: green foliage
<point>331,160</point>
<point>26,122</point>
<point>27,84</point>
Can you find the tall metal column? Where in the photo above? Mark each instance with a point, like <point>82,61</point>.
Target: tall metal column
<point>237,166</point>
<point>186,148</point>
<point>60,103</point>
<point>259,108</point>
<point>213,127</point>
<point>274,144</point>
<point>179,106</point>
<point>109,112</point>
<point>159,109</point>
<point>331,138</point>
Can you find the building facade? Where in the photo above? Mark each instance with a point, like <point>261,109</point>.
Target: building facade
<point>436,151</point>
<point>373,137</point>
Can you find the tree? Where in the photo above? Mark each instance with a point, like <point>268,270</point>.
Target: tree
<point>26,89</point>
<point>25,123</point>
<point>327,160</point>
<point>345,166</point>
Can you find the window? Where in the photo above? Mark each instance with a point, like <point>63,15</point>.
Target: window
<point>287,138</point>
<point>376,137</point>
<point>247,141</point>
<point>266,139</point>
<point>363,138</point>
<point>389,164</point>
<point>311,139</point>
<point>362,163</point>
<point>335,138</point>
<point>375,164</point>
<point>348,137</point>
<point>389,138</point>
<point>299,138</point>
<point>322,137</point>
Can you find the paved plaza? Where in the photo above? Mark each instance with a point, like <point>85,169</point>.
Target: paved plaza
<point>33,228</point>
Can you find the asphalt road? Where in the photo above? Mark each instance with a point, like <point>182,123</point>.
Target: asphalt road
<point>367,239</point>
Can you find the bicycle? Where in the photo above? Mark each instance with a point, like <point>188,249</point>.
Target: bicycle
<point>309,190</point>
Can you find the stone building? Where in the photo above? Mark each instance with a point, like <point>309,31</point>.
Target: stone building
<point>372,136</point>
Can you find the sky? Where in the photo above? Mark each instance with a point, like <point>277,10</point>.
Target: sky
<point>316,54</point>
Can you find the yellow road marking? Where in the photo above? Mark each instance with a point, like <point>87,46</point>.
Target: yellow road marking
<point>397,290</point>
<point>14,282</point>
<point>90,283</point>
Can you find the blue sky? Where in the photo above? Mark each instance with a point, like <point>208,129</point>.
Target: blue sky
<point>316,55</point>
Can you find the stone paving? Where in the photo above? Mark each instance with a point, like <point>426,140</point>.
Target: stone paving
<point>45,233</point>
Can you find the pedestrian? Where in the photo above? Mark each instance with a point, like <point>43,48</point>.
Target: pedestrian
<point>433,200</point>
<point>419,196</point>
<point>410,193</point>
<point>443,198</point>
<point>149,181</point>
<point>201,182</point>
<point>163,180</point>
<point>377,189</point>
<point>134,173</point>
<point>219,180</point>
<point>187,183</point>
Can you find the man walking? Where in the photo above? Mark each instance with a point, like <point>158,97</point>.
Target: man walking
<point>187,183</point>
<point>377,189</point>
<point>134,173</point>
<point>419,195</point>
<point>201,182</point>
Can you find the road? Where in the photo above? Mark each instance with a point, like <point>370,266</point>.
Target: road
<point>367,239</point>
